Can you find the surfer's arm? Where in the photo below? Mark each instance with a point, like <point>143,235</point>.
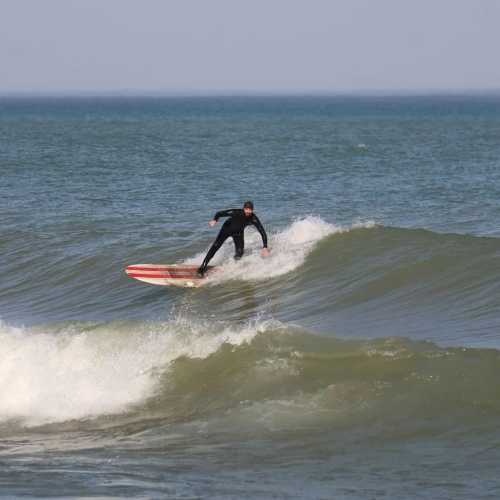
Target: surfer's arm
<point>260,228</point>
<point>223,213</point>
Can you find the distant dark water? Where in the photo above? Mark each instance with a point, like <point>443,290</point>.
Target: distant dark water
<point>360,360</point>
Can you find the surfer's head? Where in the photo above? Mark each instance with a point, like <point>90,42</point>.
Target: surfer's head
<point>248,208</point>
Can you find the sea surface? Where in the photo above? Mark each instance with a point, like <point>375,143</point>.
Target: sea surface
<point>361,360</point>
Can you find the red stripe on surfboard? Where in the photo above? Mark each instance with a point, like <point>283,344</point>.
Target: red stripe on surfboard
<point>162,271</point>
<point>165,273</point>
<point>164,268</point>
<point>163,276</point>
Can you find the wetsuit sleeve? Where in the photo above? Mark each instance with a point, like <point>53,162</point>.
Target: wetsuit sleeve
<point>223,213</point>
<point>260,228</point>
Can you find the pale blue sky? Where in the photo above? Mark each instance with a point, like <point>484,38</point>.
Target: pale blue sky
<point>253,45</point>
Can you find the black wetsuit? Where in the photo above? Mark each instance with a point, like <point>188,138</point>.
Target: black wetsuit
<point>233,227</point>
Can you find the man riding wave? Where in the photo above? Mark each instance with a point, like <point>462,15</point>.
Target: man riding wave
<point>234,227</point>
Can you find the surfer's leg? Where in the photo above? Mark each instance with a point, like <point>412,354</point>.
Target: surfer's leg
<point>221,238</point>
<point>239,245</point>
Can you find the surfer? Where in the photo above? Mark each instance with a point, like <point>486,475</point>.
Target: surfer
<point>234,227</point>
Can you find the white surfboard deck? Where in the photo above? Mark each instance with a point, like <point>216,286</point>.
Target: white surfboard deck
<point>168,274</point>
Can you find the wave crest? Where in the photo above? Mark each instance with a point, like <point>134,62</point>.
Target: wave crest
<point>289,249</point>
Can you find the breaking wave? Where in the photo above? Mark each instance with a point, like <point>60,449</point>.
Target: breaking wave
<point>264,376</point>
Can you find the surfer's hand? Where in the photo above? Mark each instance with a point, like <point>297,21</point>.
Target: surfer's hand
<point>212,223</point>
<point>265,252</point>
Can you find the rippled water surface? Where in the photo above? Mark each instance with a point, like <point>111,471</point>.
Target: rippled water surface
<point>360,360</point>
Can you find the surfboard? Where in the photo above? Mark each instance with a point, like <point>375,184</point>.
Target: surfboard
<point>168,274</point>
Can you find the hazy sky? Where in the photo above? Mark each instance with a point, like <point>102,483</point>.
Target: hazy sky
<point>252,45</point>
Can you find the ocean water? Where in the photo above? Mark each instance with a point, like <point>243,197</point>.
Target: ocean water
<point>360,360</point>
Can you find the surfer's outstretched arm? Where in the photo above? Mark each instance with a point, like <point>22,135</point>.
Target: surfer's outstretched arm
<point>223,213</point>
<point>256,222</point>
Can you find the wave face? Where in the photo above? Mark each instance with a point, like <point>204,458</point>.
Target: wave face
<point>363,280</point>
<point>408,282</point>
<point>366,280</point>
<point>263,376</point>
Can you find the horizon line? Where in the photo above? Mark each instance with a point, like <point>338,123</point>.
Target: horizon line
<point>409,92</point>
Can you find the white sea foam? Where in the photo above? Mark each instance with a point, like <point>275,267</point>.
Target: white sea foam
<point>289,249</point>
<point>79,372</point>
